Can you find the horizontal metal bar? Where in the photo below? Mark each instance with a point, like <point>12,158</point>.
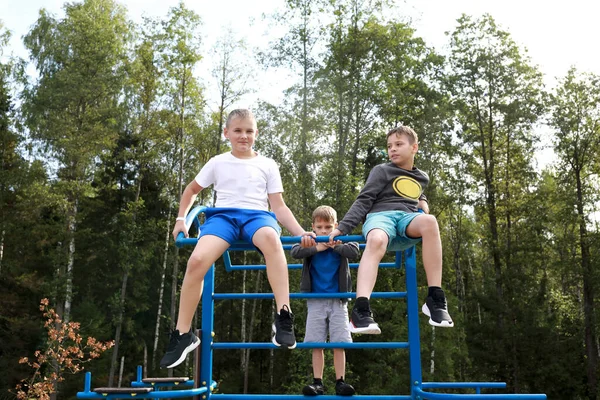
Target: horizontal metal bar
<point>299,266</point>
<point>461,385</point>
<point>289,240</point>
<point>335,345</point>
<point>349,295</point>
<point>155,394</point>
<point>220,396</point>
<point>462,396</point>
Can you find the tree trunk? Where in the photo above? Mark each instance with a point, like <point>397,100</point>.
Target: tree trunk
<point>119,327</point>
<point>591,352</point>
<point>174,277</point>
<point>271,356</point>
<point>432,362</point>
<point>71,227</point>
<point>145,364</point>
<point>120,372</point>
<point>161,289</point>
<point>1,249</point>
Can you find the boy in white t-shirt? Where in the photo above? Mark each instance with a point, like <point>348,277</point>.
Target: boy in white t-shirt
<point>246,184</point>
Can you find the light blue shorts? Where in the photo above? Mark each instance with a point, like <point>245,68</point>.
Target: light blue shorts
<point>394,224</point>
<point>327,316</point>
<point>232,224</point>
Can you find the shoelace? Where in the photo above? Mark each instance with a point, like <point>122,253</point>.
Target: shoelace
<point>365,312</point>
<point>173,340</point>
<point>439,302</point>
<point>286,320</point>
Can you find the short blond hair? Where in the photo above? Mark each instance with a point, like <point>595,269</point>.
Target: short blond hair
<point>242,113</point>
<point>404,130</point>
<point>324,213</point>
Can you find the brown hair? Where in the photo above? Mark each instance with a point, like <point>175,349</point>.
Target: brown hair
<point>325,213</point>
<point>242,113</point>
<point>404,130</point>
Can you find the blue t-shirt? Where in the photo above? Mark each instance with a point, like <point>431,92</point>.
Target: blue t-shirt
<point>325,271</point>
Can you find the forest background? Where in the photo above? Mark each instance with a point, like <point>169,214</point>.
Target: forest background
<point>107,120</point>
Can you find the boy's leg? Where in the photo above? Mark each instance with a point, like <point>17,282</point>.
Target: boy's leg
<point>377,242</point>
<point>426,227</point>
<point>208,249</point>
<point>435,307</point>
<point>267,240</point>
<point>339,361</point>
<point>361,318</point>
<point>316,387</point>
<point>316,332</point>
<point>318,363</point>
<point>183,340</point>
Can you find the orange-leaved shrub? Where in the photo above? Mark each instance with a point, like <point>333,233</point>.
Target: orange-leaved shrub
<point>66,352</point>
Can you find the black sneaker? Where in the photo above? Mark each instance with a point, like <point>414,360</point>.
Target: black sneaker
<point>343,389</point>
<point>361,319</point>
<point>179,347</point>
<point>313,389</point>
<point>436,309</point>
<point>283,329</point>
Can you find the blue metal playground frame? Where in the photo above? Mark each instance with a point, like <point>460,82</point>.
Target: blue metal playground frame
<point>419,390</point>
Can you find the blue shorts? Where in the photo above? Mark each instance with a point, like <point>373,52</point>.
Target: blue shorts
<point>232,224</point>
<point>394,224</point>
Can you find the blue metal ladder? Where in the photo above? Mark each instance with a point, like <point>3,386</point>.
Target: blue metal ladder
<point>419,389</point>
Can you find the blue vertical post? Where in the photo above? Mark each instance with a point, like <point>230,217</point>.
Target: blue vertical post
<point>208,322</point>
<point>414,341</point>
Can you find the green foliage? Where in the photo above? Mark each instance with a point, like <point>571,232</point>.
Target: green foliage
<point>96,148</point>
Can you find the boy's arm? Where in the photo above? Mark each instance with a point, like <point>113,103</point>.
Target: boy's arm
<point>298,251</point>
<point>424,205</point>
<point>187,199</point>
<point>362,205</point>
<point>349,250</point>
<point>287,219</point>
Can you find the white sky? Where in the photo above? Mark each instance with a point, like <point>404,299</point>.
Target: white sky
<point>557,35</point>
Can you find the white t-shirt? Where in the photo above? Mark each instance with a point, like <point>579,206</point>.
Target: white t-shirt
<point>241,182</point>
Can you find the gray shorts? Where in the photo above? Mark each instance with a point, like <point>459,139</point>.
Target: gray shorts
<point>327,315</point>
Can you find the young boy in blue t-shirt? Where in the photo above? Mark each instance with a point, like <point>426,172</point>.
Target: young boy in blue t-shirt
<point>325,270</point>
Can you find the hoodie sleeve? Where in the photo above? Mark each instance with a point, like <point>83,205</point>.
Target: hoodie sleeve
<point>298,251</point>
<point>349,250</point>
<point>364,201</point>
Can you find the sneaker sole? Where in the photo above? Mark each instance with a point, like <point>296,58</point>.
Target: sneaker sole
<point>443,324</point>
<point>308,392</point>
<point>187,351</point>
<point>372,329</point>
<point>279,344</point>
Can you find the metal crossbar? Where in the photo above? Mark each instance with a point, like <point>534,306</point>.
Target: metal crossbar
<point>419,390</point>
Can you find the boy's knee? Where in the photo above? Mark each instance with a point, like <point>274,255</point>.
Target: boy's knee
<point>195,262</point>
<point>377,239</point>
<point>430,223</point>
<point>266,239</point>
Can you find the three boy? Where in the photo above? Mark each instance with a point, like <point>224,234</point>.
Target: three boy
<point>244,181</point>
